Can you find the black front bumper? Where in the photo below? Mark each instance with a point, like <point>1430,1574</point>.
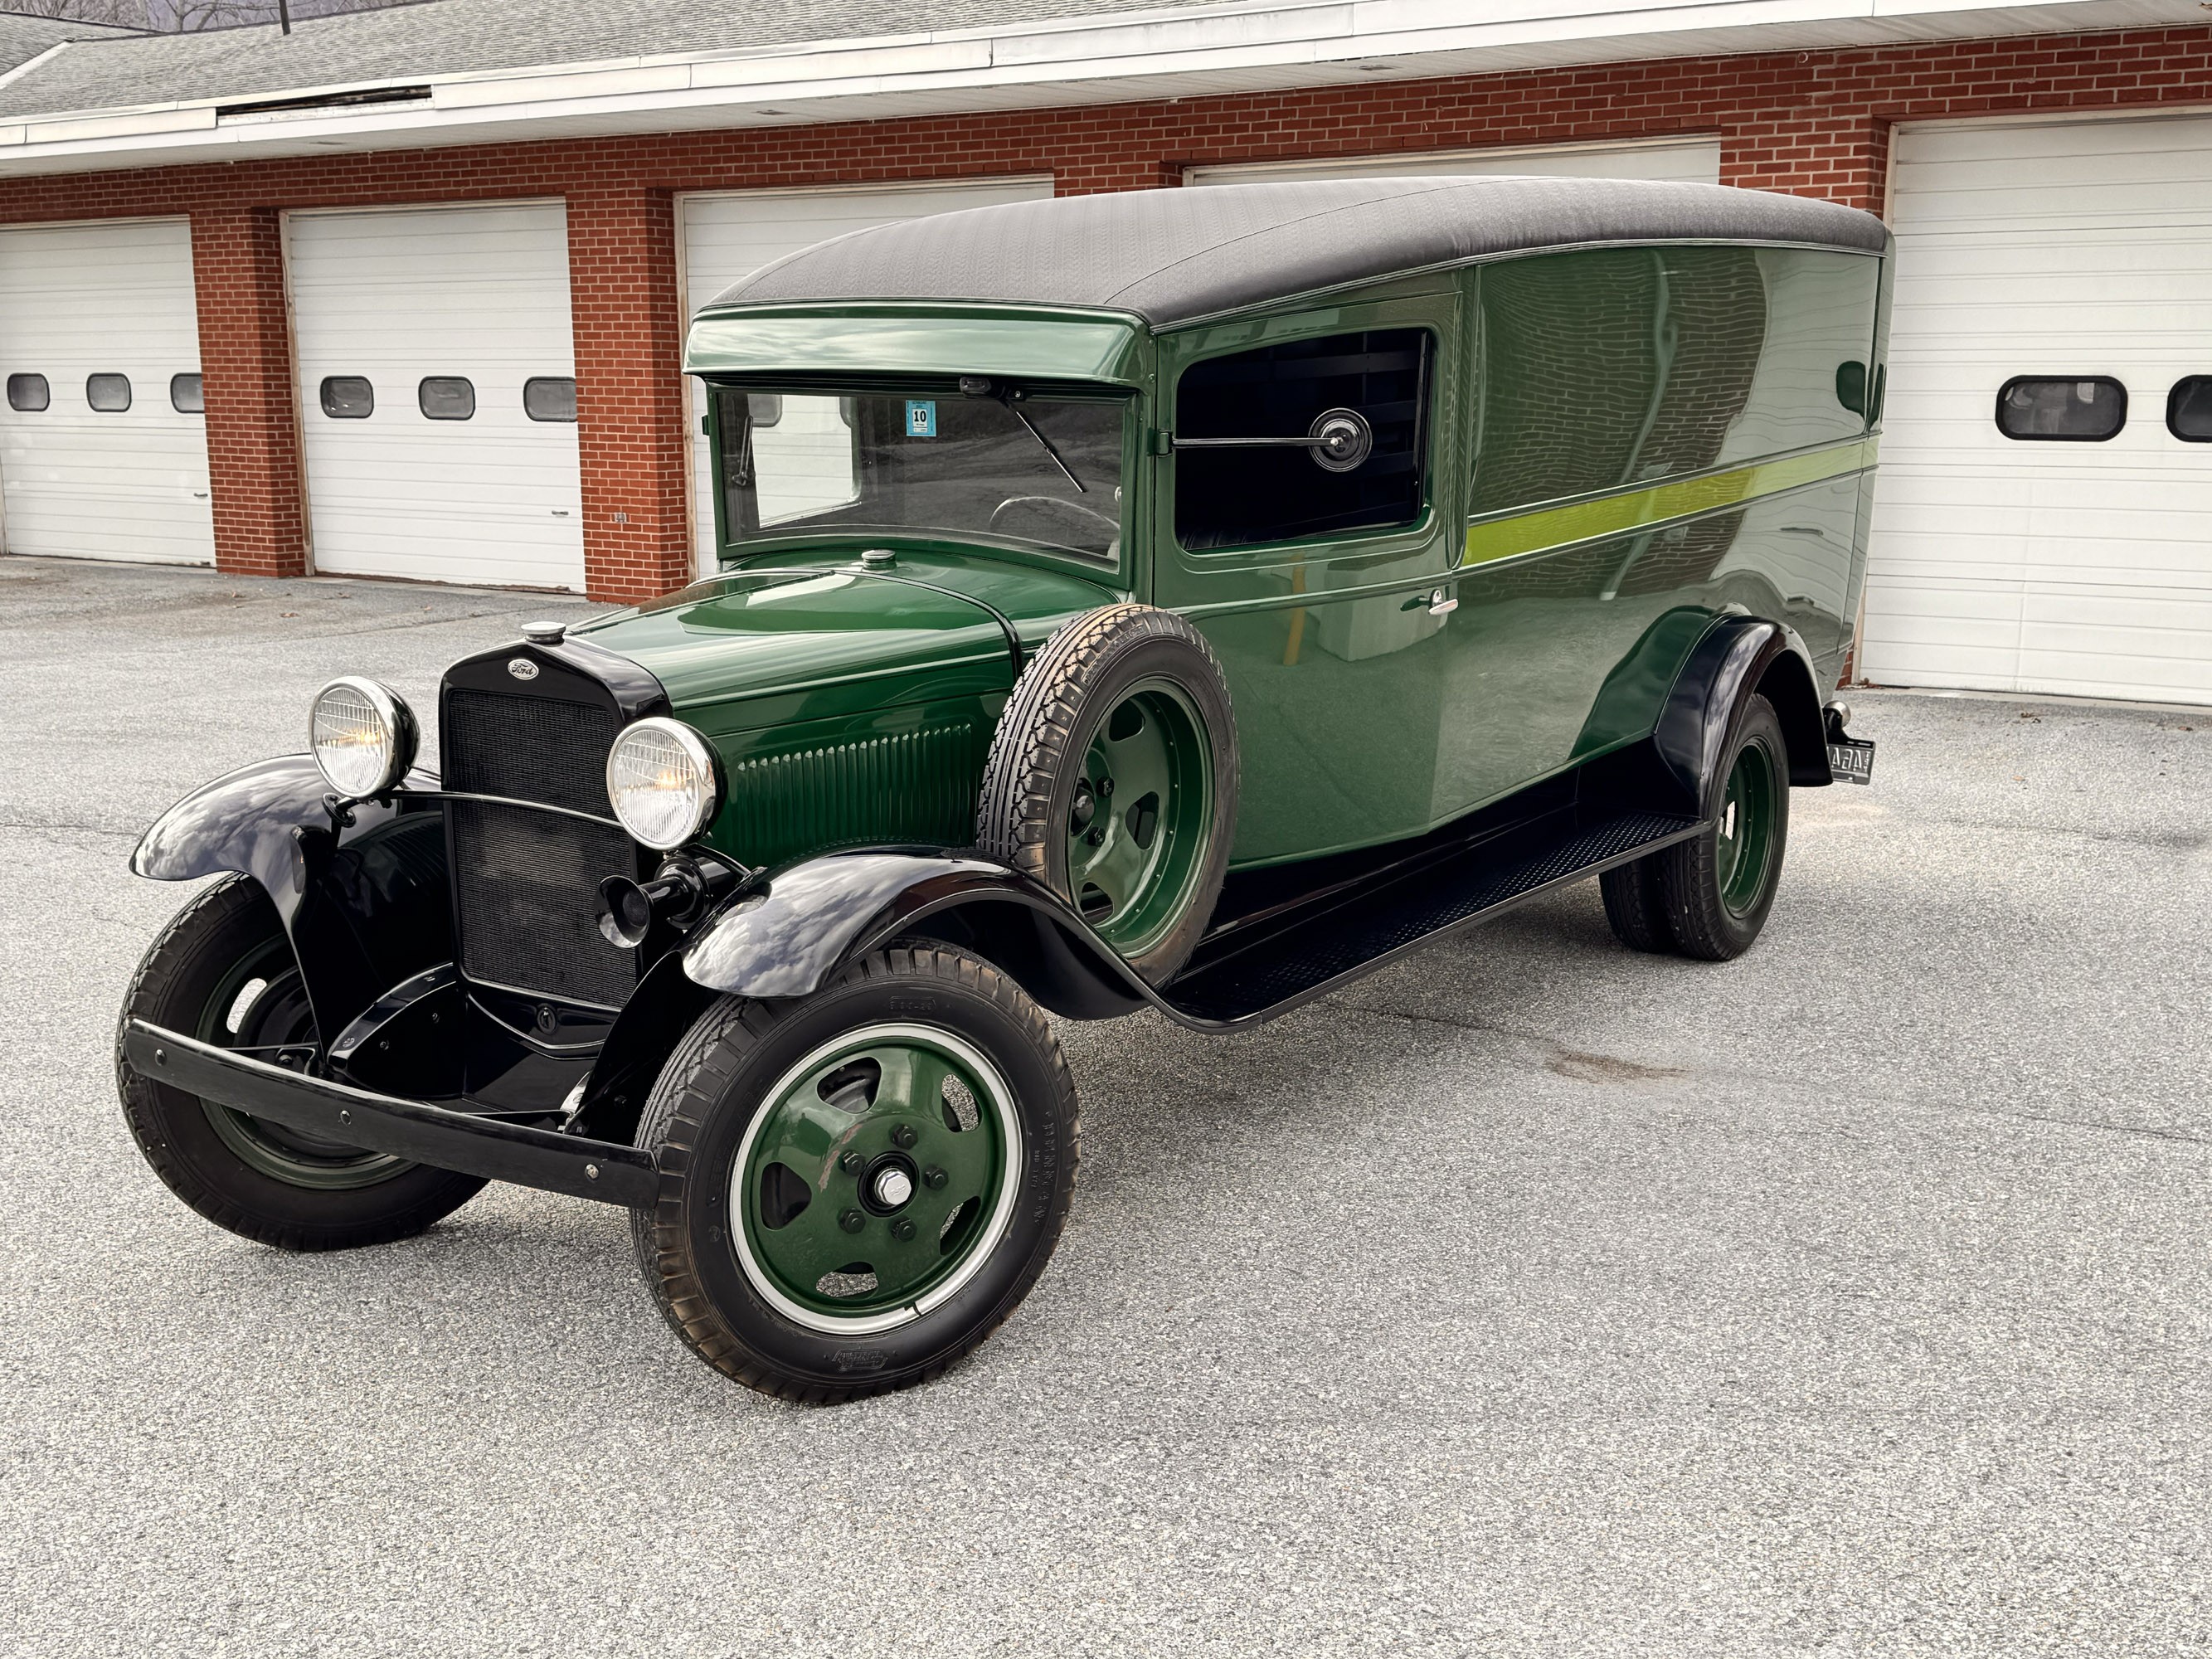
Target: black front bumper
<point>435,1135</point>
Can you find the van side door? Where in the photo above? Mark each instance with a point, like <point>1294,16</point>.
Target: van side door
<point>1311,572</point>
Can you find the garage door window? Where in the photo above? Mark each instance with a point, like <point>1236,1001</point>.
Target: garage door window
<point>187,395</point>
<point>447,398</point>
<point>549,397</point>
<point>348,398</point>
<point>109,394</point>
<point>2189,410</point>
<point>2083,410</point>
<point>28,394</point>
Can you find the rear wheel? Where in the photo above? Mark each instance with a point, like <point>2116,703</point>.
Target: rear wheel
<point>1634,906</point>
<point>224,972</point>
<point>1718,886</point>
<point>857,1188</point>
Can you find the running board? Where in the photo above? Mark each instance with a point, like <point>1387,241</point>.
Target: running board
<point>1257,973</point>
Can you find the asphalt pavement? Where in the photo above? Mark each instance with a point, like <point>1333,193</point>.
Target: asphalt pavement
<point>1529,1298</point>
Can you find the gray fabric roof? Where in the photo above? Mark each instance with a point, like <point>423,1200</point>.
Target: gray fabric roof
<point>1172,255</point>
<point>407,43</point>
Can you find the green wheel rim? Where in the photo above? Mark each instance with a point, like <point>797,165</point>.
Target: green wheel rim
<point>1744,844</point>
<point>1137,831</point>
<point>261,1006</point>
<point>876,1178</point>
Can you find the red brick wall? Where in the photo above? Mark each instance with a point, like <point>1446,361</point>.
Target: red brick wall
<point>629,391</point>
<point>246,364</point>
<point>1816,122</point>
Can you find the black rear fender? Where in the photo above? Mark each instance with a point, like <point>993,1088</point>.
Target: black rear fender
<point>1738,656</point>
<point>365,901</point>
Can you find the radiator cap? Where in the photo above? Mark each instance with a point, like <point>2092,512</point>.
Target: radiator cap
<point>544,633</point>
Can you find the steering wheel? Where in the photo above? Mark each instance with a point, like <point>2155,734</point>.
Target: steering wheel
<point>1014,501</point>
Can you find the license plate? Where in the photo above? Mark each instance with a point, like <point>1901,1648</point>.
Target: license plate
<point>1853,758</point>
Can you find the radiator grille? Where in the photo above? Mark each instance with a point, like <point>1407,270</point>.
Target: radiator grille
<point>526,883</point>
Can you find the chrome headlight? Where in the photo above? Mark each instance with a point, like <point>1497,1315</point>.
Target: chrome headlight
<point>362,735</point>
<point>663,782</point>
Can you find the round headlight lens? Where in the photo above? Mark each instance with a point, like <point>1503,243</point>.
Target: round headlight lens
<point>363,736</point>
<point>662,782</point>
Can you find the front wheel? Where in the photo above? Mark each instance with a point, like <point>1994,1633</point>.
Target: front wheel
<point>857,1188</point>
<point>224,971</point>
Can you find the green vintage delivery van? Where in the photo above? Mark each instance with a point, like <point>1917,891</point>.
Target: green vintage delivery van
<point>1183,601</point>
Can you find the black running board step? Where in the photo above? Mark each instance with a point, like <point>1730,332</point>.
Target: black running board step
<point>1362,930</point>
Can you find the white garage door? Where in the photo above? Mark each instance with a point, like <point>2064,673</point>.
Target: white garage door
<point>730,234</point>
<point>1697,160</point>
<point>103,449</point>
<point>437,394</point>
<point>2063,261</point>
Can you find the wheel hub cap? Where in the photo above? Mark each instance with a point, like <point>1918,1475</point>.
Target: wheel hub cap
<point>876,1177</point>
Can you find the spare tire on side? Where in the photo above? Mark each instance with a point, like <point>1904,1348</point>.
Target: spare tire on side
<point>1112,780</point>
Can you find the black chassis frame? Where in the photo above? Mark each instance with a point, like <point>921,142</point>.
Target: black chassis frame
<point>361,890</point>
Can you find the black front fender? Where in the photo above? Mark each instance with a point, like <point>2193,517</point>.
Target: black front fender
<point>784,934</point>
<point>365,901</point>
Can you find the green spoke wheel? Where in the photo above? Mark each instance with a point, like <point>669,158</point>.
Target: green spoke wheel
<point>880,1170</point>
<point>1137,827</point>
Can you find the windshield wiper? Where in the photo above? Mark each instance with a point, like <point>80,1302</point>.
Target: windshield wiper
<point>1007,399</point>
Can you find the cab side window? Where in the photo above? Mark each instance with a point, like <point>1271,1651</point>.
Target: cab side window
<point>1250,494</point>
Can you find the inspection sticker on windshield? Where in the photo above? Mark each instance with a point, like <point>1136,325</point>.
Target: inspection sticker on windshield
<point>921,417</point>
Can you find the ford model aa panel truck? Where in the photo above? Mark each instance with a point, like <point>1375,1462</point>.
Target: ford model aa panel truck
<point>1181,601</point>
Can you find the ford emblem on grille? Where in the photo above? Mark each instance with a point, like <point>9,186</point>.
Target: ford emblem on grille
<point>522,668</point>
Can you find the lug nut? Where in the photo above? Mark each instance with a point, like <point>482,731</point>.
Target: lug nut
<point>1097,837</point>
<point>1105,787</point>
<point>852,1221</point>
<point>933,1178</point>
<point>902,1229</point>
<point>904,1136</point>
<point>852,1163</point>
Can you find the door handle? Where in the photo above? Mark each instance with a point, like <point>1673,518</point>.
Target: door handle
<point>1437,602</point>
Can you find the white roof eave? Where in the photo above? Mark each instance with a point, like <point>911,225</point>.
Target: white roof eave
<point>1130,56</point>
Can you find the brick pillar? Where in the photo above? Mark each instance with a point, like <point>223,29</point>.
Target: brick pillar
<point>1808,151</point>
<point>246,361</point>
<point>630,403</point>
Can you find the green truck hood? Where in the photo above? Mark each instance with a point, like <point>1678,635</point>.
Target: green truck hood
<point>803,637</point>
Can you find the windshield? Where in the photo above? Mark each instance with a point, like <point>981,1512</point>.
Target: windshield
<point>1006,466</point>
